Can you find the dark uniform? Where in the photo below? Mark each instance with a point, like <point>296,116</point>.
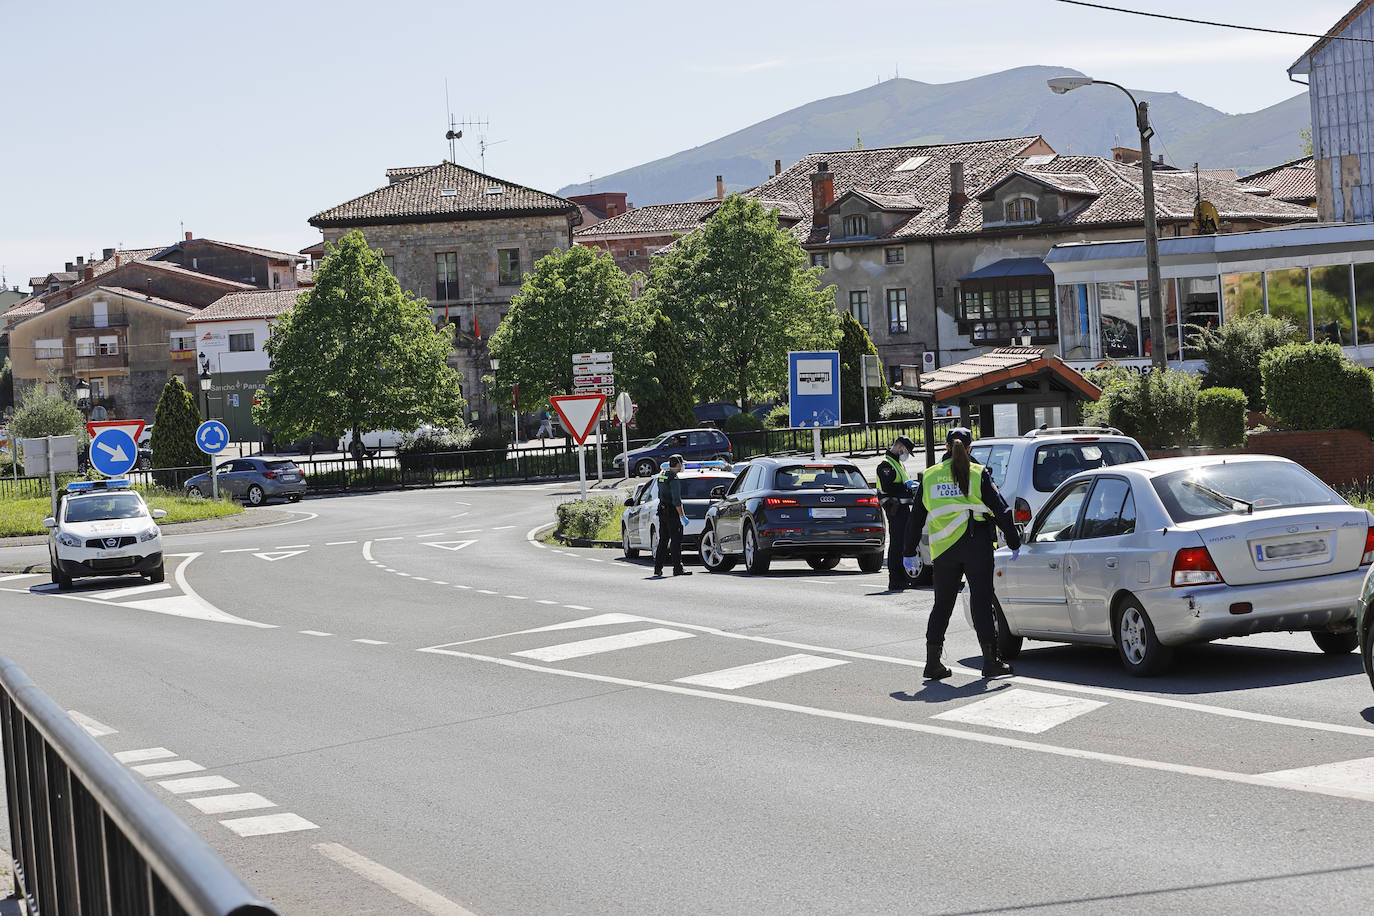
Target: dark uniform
<point>669,523</point>
<point>896,498</point>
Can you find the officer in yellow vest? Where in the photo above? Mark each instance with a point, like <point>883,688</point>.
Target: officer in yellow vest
<point>961,503</point>
<point>895,495</point>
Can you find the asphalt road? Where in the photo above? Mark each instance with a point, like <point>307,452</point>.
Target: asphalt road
<point>413,707</point>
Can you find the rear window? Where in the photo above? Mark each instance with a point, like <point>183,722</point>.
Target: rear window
<point>1200,493</point>
<point>1057,462</point>
<point>701,487</point>
<point>995,458</point>
<point>817,476</point>
<point>280,465</point>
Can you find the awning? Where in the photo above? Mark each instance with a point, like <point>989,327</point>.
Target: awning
<point>1011,267</point>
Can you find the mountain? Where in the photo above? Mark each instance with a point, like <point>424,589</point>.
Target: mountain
<point>1006,104</point>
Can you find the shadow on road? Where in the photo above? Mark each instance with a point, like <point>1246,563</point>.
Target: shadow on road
<point>941,692</point>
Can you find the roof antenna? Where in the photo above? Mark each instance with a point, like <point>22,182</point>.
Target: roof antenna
<point>452,134</point>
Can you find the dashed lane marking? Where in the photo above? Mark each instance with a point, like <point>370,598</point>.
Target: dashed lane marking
<point>294,547</point>
<point>410,891</point>
<point>1028,711</point>
<point>502,527</point>
<point>314,633</point>
<point>242,550</point>
<point>468,531</point>
<point>92,727</point>
<point>517,597</point>
<point>19,576</point>
<point>396,538</point>
<point>485,591</point>
<point>338,543</point>
<point>226,804</point>
<point>440,582</point>
<point>545,601</point>
<point>430,534</point>
<point>576,607</point>
<point>268,824</point>
<point>197,784</point>
<point>144,754</point>
<point>169,768</point>
<point>372,642</point>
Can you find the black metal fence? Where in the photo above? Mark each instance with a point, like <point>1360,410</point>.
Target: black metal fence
<point>88,837</point>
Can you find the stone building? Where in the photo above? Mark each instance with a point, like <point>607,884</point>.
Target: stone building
<point>462,240</point>
<point>634,237</point>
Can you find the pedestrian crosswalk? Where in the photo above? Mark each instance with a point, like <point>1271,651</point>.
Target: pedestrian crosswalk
<point>761,672</point>
<point>585,647</point>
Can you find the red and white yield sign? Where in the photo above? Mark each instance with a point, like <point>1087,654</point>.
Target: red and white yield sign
<point>133,427</point>
<point>578,413</point>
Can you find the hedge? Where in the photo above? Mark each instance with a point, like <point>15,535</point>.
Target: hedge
<point>1314,386</point>
<point>1158,409</point>
<point>583,519</point>
<point>901,409</point>
<point>1221,417</point>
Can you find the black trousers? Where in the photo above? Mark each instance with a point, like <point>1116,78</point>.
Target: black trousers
<point>970,558</point>
<point>897,515</point>
<point>669,541</point>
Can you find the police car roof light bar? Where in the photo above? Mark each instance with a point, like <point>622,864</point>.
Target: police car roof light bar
<point>78,486</point>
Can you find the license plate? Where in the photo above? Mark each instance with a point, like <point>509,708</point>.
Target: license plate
<point>289,478</point>
<point>827,513</point>
<point>1291,549</point>
<point>107,554</point>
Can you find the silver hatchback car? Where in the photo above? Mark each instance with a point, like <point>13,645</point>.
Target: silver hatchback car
<point>253,480</point>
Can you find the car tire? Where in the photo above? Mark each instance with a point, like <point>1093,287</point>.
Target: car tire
<point>714,561</point>
<point>630,552</point>
<point>822,564</point>
<point>645,468</point>
<point>63,580</point>
<point>256,496</point>
<point>1338,643</point>
<point>1367,654</point>
<point>872,562</point>
<point>158,574</point>
<point>653,542</point>
<point>756,557</point>
<point>1142,654</point>
<point>194,492</point>
<point>145,464</point>
<point>1008,643</point>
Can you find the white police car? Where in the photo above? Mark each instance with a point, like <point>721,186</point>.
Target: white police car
<point>103,528</point>
<point>639,521</point>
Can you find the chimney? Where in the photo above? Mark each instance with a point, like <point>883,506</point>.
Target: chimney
<point>106,253</point>
<point>822,190</point>
<point>90,273</point>
<point>118,258</point>
<point>188,236</point>
<point>70,267</point>
<point>79,261</point>
<point>720,187</point>
<point>777,166</point>
<point>1159,160</point>
<point>957,195</point>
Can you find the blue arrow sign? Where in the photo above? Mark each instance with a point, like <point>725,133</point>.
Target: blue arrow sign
<point>211,437</point>
<point>113,452</point>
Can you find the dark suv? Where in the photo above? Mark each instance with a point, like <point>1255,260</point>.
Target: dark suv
<point>692,444</point>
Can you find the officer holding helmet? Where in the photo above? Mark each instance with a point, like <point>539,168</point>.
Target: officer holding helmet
<point>895,493</point>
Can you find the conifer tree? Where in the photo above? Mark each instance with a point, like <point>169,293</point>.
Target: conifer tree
<point>853,345</point>
<point>665,394</point>
<point>174,429</point>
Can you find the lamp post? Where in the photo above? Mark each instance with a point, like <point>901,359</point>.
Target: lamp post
<point>205,390</point>
<point>1065,84</point>
<point>83,397</point>
<point>1025,335</point>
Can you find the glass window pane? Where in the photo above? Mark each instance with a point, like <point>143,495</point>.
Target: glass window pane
<point>1242,294</point>
<point>1102,518</point>
<point>1331,304</point>
<point>1074,342</point>
<point>1288,296</point>
<point>1169,293</point>
<point>1199,300</point>
<point>1119,312</point>
<point>1364,301</point>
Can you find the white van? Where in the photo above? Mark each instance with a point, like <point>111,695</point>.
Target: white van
<point>373,441</point>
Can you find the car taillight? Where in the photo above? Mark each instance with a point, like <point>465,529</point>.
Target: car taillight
<point>1194,566</point>
<point>1368,548</point>
<point>1023,511</point>
<point>866,501</point>
<point>270,475</point>
<point>770,502</point>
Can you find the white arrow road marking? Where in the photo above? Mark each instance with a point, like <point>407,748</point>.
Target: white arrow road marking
<point>274,556</point>
<point>449,545</point>
<point>117,453</point>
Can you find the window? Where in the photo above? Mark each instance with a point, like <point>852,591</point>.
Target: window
<point>108,346</point>
<point>446,276</point>
<point>48,349</point>
<point>1111,510</point>
<point>389,261</point>
<point>508,266</point>
<point>855,225</point>
<point>181,341</point>
<point>998,310</point>
<point>241,343</point>
<point>100,314</point>
<point>1056,463</point>
<point>895,255</point>
<point>858,305</point>
<point>632,253</point>
<point>1119,310</point>
<point>1331,305</point>
<point>894,376</point>
<point>1021,210</point>
<point>1288,296</point>
<point>896,311</point>
<point>97,386</point>
<point>820,259</point>
<point>1057,523</point>
<point>85,346</point>
<point>995,458</point>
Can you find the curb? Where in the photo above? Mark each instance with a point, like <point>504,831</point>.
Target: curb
<point>583,542</point>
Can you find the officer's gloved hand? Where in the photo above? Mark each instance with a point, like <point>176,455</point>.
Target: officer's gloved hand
<point>1016,552</point>
<point>913,485</point>
<point>909,563</point>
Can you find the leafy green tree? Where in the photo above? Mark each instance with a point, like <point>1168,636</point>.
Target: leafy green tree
<point>174,428</point>
<point>664,394</point>
<point>741,294</point>
<point>854,345</point>
<point>1233,352</point>
<point>574,301</point>
<point>42,414</point>
<point>7,385</point>
<point>357,353</point>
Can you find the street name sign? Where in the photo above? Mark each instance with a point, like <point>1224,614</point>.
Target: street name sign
<point>113,452</point>
<point>813,388</point>
<point>578,413</point>
<point>212,437</point>
<point>593,357</point>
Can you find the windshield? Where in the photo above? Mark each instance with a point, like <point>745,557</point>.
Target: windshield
<point>1221,489</point>
<point>818,476</point>
<point>98,508</point>
<point>655,440</point>
<point>1056,463</point>
<point>701,487</point>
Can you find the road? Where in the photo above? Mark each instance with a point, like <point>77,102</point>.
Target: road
<point>402,703</point>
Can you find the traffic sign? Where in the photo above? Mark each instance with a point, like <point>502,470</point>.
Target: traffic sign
<point>578,412</point>
<point>133,427</point>
<point>593,357</point>
<point>624,407</point>
<point>591,381</point>
<point>813,388</point>
<point>113,452</point>
<point>592,368</point>
<point>212,437</point>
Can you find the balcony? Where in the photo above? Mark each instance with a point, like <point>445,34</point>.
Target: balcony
<point>99,361</point>
<point>116,319</point>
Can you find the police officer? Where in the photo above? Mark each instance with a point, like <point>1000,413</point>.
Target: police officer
<point>670,518</point>
<point>895,493</point>
<point>962,504</point>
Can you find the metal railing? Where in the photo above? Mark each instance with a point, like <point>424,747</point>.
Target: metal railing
<point>88,837</point>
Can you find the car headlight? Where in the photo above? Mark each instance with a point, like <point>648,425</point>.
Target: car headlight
<point>148,535</point>
<point>67,540</point>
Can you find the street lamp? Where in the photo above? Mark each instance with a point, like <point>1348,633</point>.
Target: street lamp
<point>205,390</point>
<point>83,396</point>
<point>1025,336</point>
<point>1063,84</point>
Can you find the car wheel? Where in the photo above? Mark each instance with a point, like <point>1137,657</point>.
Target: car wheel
<point>821,564</point>
<point>1140,649</point>
<point>1367,656</point>
<point>158,574</point>
<point>871,562</point>
<point>145,464</point>
<point>255,495</point>
<point>630,552</point>
<point>63,580</point>
<point>194,492</point>
<point>645,468</point>
<point>1008,643</point>
<point>1335,643</point>
<point>756,557</point>
<point>712,557</point>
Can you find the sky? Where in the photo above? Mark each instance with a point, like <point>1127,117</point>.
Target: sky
<point>127,124</point>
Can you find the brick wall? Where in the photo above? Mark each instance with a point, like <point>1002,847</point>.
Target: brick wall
<point>1341,457</point>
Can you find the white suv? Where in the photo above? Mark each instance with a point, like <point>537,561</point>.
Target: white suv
<point>103,528</point>
<point>1028,468</point>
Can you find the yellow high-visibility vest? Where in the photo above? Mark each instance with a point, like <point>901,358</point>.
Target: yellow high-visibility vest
<point>948,510</point>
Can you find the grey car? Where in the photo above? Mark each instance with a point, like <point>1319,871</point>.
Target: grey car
<point>253,480</point>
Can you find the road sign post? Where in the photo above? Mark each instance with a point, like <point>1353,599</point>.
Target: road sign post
<point>624,409</point>
<point>595,372</point>
<point>212,437</point>
<point>579,413</point>
<point>813,389</point>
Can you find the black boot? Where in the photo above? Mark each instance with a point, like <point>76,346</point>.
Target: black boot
<point>992,665</point>
<point>934,670</point>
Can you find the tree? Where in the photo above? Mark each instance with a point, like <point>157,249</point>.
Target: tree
<point>7,385</point>
<point>854,344</point>
<point>665,393</point>
<point>42,414</point>
<point>357,353</point>
<point>1305,140</point>
<point>574,301</point>
<point>1233,351</point>
<point>174,428</point>
<point>741,294</point>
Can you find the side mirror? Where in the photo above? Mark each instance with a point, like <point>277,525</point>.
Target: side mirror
<point>50,522</point>
<point>630,501</point>
<point>718,492</point>
<point>159,513</point>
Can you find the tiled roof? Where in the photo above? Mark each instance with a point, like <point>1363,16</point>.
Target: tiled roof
<point>422,198</point>
<point>305,275</point>
<point>406,171</point>
<point>896,202</point>
<point>264,303</point>
<point>1295,182</point>
<point>22,309</point>
<point>653,220</point>
<point>264,252</point>
<point>126,256</point>
<point>1002,365</point>
<point>787,209</point>
<point>144,297</point>
<point>1227,174</point>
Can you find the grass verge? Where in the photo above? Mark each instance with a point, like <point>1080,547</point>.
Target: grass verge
<point>25,516</point>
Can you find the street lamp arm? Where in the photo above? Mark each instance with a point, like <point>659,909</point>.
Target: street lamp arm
<point>1142,117</point>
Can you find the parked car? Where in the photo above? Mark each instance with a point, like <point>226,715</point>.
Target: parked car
<point>253,480</point>
<point>714,412</point>
<point>1157,554</point>
<point>1364,625</point>
<point>103,528</point>
<point>817,510</point>
<point>763,410</point>
<point>692,444</point>
<point>1028,468</point>
<point>639,521</point>
<point>146,437</point>
<point>371,442</point>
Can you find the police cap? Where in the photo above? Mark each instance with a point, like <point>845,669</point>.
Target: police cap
<point>906,443</point>
<point>961,433</point>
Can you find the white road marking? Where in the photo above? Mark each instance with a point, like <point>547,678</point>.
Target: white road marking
<point>92,727</point>
<point>399,573</point>
<point>761,672</point>
<point>372,642</point>
<point>275,555</point>
<point>1357,775</point>
<point>1028,711</point>
<point>502,527</point>
<point>576,607</point>
<point>225,804</point>
<point>19,576</point>
<point>197,784</point>
<point>485,591</point>
<point>314,633</point>
<point>206,610</point>
<point>468,531</point>
<point>242,550</point>
<point>186,606</point>
<point>419,578</point>
<point>449,545</point>
<point>585,647</point>
<point>397,538</point>
<point>530,535</point>
<point>545,601</point>
<point>305,517</point>
<point>430,534</point>
<point>111,593</point>
<point>387,569</point>
<point>517,597</point>
<point>170,768</point>
<point>593,559</point>
<point>367,552</point>
<point>268,823</point>
<point>816,581</point>
<point>338,543</point>
<point>142,754</point>
<point>411,892</point>
<point>463,586</point>
<point>440,582</point>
